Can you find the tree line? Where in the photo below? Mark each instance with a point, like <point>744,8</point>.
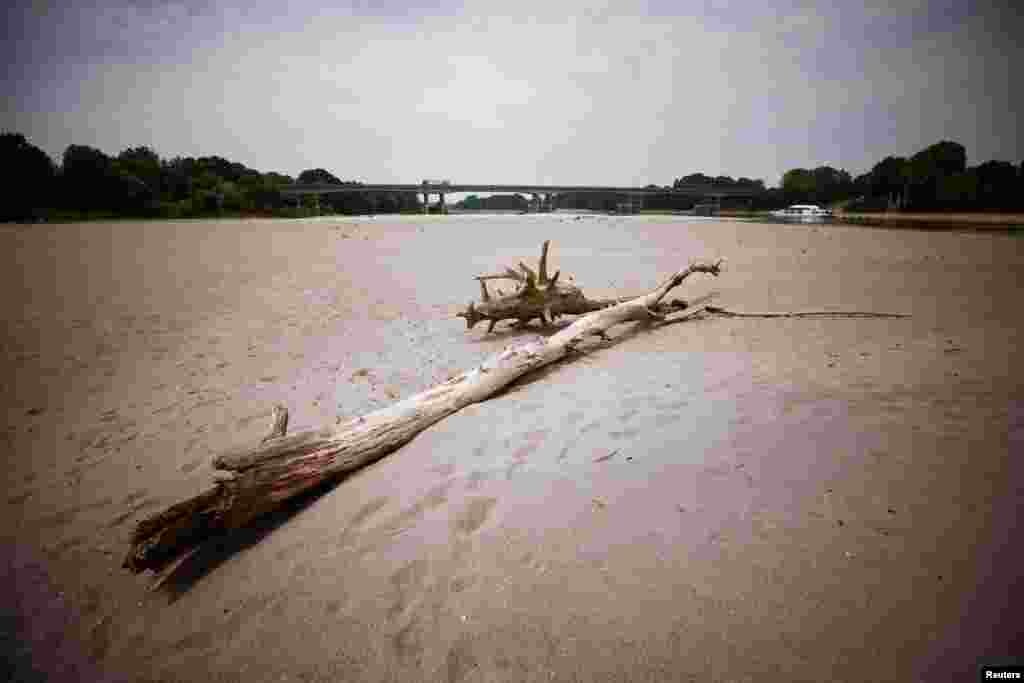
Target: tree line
<point>88,183</point>
<point>937,178</point>
<point>138,183</point>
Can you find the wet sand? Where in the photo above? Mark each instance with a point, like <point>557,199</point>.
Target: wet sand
<point>719,500</point>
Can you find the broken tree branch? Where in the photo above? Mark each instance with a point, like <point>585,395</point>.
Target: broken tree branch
<point>725,313</point>
<point>539,297</point>
<point>536,297</point>
<point>280,425</point>
<point>260,479</point>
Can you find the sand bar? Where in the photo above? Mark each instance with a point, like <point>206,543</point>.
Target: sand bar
<point>785,499</point>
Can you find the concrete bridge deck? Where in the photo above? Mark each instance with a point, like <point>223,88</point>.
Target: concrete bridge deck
<point>441,188</point>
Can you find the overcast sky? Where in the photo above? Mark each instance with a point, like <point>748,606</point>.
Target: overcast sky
<point>518,91</point>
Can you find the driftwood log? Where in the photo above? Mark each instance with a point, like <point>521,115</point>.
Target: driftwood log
<point>256,480</point>
<point>536,296</point>
<point>259,479</point>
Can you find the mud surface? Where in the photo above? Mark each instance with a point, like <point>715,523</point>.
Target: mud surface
<point>718,500</point>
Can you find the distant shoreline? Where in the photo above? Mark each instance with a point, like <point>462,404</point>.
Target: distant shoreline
<point>970,217</point>
<point>982,221</point>
<point>917,220</point>
<point>957,217</point>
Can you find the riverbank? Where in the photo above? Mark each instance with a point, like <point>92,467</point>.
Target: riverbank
<point>720,500</point>
<point>976,219</point>
<point>924,221</point>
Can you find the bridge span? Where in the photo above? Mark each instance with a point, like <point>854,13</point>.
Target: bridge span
<point>543,195</point>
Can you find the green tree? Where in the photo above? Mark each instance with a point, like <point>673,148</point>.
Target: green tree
<point>798,184</point>
<point>929,166</point>
<point>889,177</point>
<point>176,179</point>
<point>318,175</point>
<point>997,184</point>
<point>138,180</point>
<point>694,179</point>
<point>831,184</point>
<point>144,164</point>
<point>31,175</point>
<point>1020,187</point>
<point>958,190</point>
<point>89,179</point>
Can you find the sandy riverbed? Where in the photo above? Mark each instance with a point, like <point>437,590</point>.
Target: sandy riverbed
<point>785,499</point>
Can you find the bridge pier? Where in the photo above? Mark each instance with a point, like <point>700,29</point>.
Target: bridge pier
<point>426,202</point>
<point>442,207</point>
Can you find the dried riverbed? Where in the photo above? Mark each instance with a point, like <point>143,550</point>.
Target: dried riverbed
<point>717,500</point>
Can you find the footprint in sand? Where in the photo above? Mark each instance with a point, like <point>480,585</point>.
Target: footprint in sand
<point>19,498</point>
<point>530,560</point>
<point>407,583</point>
<point>66,545</point>
<point>474,515</point>
<point>364,513</point>
<point>99,638</point>
<point>190,466</point>
<point>368,510</point>
<point>408,642</point>
<point>120,519</point>
<point>144,504</point>
<point>461,583</point>
<point>460,661</point>
<point>302,569</point>
<point>406,519</point>
<point>134,496</point>
<point>230,623</point>
<point>65,517</point>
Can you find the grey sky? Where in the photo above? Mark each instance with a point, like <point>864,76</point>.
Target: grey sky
<point>568,92</point>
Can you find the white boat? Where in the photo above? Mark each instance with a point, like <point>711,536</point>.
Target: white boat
<point>803,212</point>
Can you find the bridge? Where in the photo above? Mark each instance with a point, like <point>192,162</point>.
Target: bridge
<point>543,195</point>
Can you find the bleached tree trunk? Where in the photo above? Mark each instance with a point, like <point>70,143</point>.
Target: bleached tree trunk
<point>259,479</point>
